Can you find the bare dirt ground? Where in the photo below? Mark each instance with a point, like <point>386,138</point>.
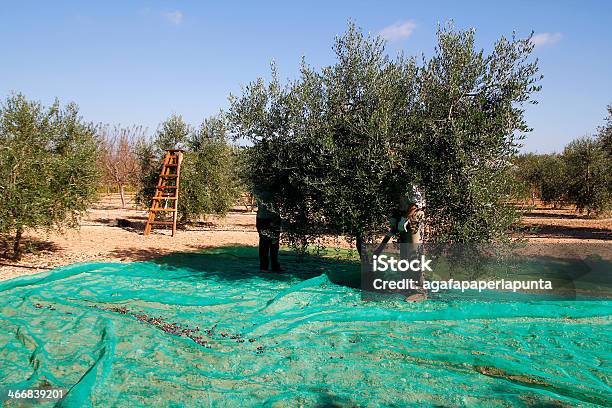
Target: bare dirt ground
<point>109,233</point>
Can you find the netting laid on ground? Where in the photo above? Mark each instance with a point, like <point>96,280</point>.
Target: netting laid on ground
<point>210,330</point>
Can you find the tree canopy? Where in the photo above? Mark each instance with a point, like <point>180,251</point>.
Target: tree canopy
<point>587,175</point>
<point>48,166</point>
<point>544,176</point>
<point>337,146</point>
<point>209,173</point>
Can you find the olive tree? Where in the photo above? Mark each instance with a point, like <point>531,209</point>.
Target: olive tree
<point>48,166</point>
<point>605,134</point>
<point>209,174</point>
<point>526,171</point>
<point>336,147</point>
<point>587,174</point>
<point>209,180</point>
<point>604,138</point>
<point>544,175</point>
<point>553,179</point>
<point>468,123</point>
<point>171,134</point>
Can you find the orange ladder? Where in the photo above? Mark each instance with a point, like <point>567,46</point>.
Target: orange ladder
<point>166,191</point>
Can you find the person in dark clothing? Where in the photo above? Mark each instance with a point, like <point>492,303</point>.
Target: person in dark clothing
<point>407,223</point>
<point>268,224</point>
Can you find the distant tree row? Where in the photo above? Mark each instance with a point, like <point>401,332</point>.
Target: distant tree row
<point>581,175</point>
<point>48,167</point>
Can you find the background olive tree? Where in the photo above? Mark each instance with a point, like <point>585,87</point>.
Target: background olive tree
<point>581,175</point>
<point>171,134</point>
<point>604,138</point>
<point>587,174</point>
<point>209,175</point>
<point>209,179</point>
<point>526,170</point>
<point>48,166</point>
<point>604,135</point>
<point>336,147</point>
<point>553,182</point>
<point>544,176</point>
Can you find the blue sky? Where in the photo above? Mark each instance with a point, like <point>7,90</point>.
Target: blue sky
<point>136,62</point>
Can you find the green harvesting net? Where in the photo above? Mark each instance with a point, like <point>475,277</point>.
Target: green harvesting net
<point>202,330</point>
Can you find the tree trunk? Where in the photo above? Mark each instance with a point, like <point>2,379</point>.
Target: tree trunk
<point>358,243</point>
<point>17,244</point>
<point>122,194</point>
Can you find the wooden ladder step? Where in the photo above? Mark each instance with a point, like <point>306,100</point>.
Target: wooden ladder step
<point>161,222</point>
<point>165,198</point>
<point>162,209</point>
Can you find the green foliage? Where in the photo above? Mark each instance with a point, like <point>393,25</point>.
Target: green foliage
<point>605,135</point>
<point>338,146</point>
<point>209,175</point>
<point>604,138</point>
<point>526,171</point>
<point>553,183</point>
<point>171,134</point>
<point>587,174</point>
<point>581,175</point>
<point>545,176</point>
<point>208,171</point>
<point>48,167</point>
